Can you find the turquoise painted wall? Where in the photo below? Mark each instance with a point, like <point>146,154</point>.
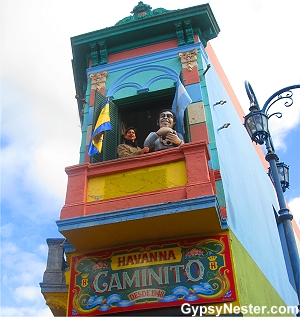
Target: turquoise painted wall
<point>250,198</point>
<point>155,71</point>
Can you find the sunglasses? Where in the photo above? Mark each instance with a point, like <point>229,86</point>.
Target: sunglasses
<point>166,115</point>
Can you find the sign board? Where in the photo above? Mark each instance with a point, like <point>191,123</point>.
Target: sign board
<point>154,275</point>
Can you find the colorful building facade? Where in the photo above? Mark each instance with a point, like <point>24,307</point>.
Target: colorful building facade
<point>192,225</point>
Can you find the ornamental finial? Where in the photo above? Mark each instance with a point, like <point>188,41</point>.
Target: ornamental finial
<point>141,9</point>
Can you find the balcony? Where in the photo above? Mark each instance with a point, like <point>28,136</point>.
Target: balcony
<point>164,194</point>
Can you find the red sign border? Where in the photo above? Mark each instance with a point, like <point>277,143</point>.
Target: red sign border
<point>184,243</point>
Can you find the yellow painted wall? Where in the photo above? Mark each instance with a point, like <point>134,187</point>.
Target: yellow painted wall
<point>137,181</point>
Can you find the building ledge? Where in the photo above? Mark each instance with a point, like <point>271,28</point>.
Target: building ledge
<point>53,288</point>
<point>167,220</point>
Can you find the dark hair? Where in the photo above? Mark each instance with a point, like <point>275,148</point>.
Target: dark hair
<point>130,128</point>
<point>169,110</point>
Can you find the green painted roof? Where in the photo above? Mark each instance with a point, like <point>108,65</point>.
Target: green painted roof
<point>145,28</point>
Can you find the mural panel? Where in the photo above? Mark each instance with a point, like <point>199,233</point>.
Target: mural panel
<point>156,275</point>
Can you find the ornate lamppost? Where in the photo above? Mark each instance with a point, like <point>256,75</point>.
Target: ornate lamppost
<point>256,124</point>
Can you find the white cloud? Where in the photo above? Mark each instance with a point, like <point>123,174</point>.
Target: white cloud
<point>21,273</point>
<point>294,206</point>
<point>27,293</point>
<point>280,127</point>
<point>7,230</point>
<point>8,248</point>
<point>26,311</point>
<point>22,267</point>
<point>46,142</point>
<point>33,157</point>
<point>43,249</point>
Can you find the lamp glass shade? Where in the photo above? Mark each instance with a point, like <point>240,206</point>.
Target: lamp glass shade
<point>283,174</point>
<point>256,124</point>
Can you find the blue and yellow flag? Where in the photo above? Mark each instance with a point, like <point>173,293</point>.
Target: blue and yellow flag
<point>103,124</point>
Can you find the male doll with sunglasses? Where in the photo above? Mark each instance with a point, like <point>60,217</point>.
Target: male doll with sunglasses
<point>165,137</point>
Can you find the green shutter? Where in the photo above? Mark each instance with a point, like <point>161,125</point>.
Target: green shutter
<point>110,142</point>
<point>111,137</point>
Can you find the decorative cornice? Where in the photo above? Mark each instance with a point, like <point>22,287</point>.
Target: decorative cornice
<point>146,59</point>
<point>189,31</point>
<point>189,59</point>
<point>57,301</point>
<point>98,80</point>
<point>142,11</point>
<point>102,52</point>
<point>94,54</point>
<point>179,33</point>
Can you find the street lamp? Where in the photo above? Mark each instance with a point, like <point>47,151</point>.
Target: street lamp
<point>256,124</point>
<point>283,173</point>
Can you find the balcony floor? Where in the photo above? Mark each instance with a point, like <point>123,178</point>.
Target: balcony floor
<point>182,218</point>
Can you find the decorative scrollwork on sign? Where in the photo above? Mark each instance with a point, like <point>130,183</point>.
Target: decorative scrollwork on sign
<point>189,59</point>
<point>98,80</point>
<point>196,270</point>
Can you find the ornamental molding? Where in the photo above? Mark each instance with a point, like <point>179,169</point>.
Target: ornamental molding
<point>98,80</point>
<point>57,301</point>
<point>189,59</point>
<point>124,81</point>
<point>142,11</point>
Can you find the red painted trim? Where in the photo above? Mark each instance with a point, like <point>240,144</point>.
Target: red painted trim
<point>142,51</point>
<point>72,211</point>
<point>86,156</point>
<point>131,163</point>
<point>152,198</point>
<point>217,175</point>
<point>92,97</point>
<point>212,177</point>
<point>199,132</point>
<point>77,182</point>
<point>102,91</point>
<point>191,76</point>
<point>296,229</point>
<point>223,211</point>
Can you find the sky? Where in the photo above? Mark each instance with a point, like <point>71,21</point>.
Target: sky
<point>40,127</point>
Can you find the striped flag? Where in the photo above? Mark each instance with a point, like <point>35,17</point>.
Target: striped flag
<point>103,124</point>
<point>180,102</point>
